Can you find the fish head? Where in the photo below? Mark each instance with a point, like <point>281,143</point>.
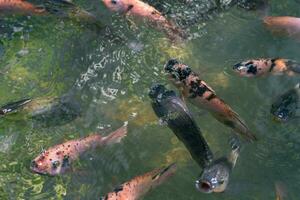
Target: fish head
<point>214,178</point>
<point>48,163</point>
<point>246,68</point>
<point>156,91</point>
<point>117,5</point>
<point>177,71</point>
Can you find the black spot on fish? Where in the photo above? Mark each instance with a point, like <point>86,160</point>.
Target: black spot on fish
<point>252,69</point>
<point>118,189</point>
<point>129,7</point>
<point>229,123</point>
<point>197,89</point>
<point>169,67</point>
<point>211,96</point>
<point>66,161</point>
<point>272,65</point>
<point>55,164</point>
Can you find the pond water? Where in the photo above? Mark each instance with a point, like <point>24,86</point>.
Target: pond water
<point>109,71</point>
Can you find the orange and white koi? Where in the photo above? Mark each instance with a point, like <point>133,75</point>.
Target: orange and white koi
<point>284,24</point>
<point>137,8</point>
<point>57,160</point>
<point>202,95</point>
<point>20,7</point>
<point>265,66</point>
<point>140,185</point>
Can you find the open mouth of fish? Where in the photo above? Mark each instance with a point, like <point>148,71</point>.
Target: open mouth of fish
<point>203,186</point>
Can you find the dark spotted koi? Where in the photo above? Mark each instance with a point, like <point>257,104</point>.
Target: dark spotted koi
<point>202,95</point>
<point>140,185</point>
<point>57,160</point>
<point>260,67</point>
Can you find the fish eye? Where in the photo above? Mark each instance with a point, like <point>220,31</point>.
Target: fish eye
<point>55,164</point>
<point>114,2</point>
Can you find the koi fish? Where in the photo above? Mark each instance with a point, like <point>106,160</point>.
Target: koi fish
<point>49,110</point>
<point>287,25</point>
<point>139,9</point>
<point>202,95</point>
<point>260,67</point>
<point>20,7</point>
<point>280,191</point>
<point>287,106</point>
<point>171,109</point>
<point>58,159</point>
<point>140,185</point>
<point>215,177</point>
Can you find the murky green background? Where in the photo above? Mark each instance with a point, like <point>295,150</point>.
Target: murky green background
<point>109,72</point>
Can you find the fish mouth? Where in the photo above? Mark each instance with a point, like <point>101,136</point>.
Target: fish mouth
<point>237,67</point>
<point>204,186</point>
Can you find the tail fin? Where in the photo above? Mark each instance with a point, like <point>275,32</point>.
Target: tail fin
<point>235,150</point>
<point>293,65</point>
<point>116,136</point>
<point>13,106</point>
<point>235,122</point>
<point>280,191</point>
<point>241,127</point>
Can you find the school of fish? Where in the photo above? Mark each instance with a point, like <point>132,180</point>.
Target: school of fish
<point>170,106</point>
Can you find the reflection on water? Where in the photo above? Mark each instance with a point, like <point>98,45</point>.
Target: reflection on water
<point>109,72</point>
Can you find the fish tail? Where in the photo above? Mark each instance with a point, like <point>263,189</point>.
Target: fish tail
<point>241,127</point>
<point>116,136</point>
<point>13,106</point>
<point>174,32</point>
<point>293,65</point>
<point>280,191</point>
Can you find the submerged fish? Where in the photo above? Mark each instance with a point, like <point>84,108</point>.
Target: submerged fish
<point>49,110</point>
<point>287,106</point>
<point>215,177</point>
<point>57,160</point>
<point>265,66</point>
<point>137,8</point>
<point>61,8</point>
<point>287,25</point>
<point>20,7</point>
<point>170,108</point>
<point>280,191</point>
<point>200,94</point>
<point>140,185</point>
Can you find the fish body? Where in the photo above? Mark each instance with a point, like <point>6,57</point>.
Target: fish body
<point>287,25</point>
<point>57,160</point>
<point>171,109</point>
<point>215,177</point>
<point>52,110</point>
<point>139,9</point>
<point>140,185</point>
<point>19,7</point>
<point>287,106</point>
<point>202,95</point>
<point>266,66</point>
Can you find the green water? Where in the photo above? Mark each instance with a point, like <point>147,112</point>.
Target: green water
<point>109,73</point>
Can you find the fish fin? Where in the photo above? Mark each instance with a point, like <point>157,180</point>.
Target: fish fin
<point>293,65</point>
<point>235,150</point>
<point>116,136</point>
<point>13,106</point>
<point>165,172</point>
<point>236,123</point>
<point>242,128</point>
